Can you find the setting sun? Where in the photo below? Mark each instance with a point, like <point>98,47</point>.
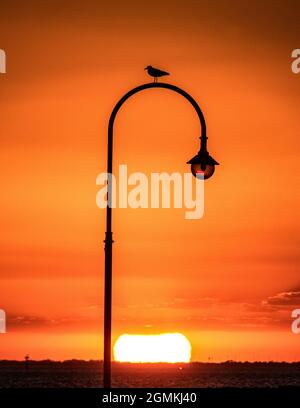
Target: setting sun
<point>159,348</point>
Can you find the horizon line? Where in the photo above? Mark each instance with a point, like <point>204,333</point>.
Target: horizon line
<point>153,363</point>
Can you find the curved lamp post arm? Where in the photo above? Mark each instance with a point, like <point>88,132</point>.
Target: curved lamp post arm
<point>116,109</point>
<point>141,88</point>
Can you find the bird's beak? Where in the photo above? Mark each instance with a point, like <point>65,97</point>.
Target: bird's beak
<point>145,69</point>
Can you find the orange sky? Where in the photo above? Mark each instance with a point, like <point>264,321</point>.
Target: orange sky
<point>228,281</point>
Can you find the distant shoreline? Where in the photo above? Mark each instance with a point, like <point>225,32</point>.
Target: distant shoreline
<point>92,363</point>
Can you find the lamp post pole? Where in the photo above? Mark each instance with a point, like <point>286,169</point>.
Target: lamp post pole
<point>202,158</point>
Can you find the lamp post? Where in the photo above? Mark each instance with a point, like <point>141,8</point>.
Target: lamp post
<point>201,163</point>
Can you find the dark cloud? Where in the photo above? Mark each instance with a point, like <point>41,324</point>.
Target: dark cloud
<point>291,298</point>
<point>209,313</point>
<point>24,322</point>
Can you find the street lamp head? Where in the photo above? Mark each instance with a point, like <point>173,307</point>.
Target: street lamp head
<point>203,164</point>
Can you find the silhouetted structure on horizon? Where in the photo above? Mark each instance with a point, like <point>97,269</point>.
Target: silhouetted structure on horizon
<point>27,358</point>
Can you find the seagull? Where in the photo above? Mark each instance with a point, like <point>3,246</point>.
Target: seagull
<point>155,73</point>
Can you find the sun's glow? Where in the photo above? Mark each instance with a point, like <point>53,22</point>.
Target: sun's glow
<point>158,348</point>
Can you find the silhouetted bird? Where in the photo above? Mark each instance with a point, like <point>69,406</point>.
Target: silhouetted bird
<point>155,73</point>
